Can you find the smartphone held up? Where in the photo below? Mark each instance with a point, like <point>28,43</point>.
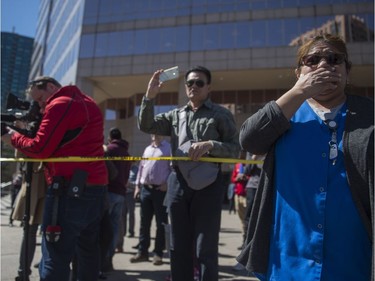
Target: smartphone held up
<point>169,74</point>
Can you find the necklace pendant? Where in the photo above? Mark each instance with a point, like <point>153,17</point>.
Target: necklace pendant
<point>333,151</point>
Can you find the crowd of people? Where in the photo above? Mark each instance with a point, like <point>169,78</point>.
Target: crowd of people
<point>305,202</point>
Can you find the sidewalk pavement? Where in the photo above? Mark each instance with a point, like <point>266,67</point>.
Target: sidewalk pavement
<point>230,240</point>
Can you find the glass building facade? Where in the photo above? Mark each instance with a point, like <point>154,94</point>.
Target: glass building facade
<point>110,48</point>
<point>16,53</point>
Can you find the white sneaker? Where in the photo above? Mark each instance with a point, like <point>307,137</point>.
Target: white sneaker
<point>238,267</point>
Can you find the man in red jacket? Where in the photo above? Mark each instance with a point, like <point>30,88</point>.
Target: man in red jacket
<point>72,125</point>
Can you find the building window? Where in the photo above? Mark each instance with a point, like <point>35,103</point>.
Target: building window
<point>227,35</point>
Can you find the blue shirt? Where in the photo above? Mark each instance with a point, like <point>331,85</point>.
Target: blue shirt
<point>317,233</point>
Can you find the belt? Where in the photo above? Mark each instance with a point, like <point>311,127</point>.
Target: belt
<point>95,185</point>
<point>64,183</point>
<point>175,167</point>
<point>151,185</point>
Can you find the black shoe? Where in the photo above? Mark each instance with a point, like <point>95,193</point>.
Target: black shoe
<point>19,278</point>
<point>136,246</point>
<point>119,250</point>
<point>36,265</point>
<point>139,258</point>
<point>157,260</point>
<point>131,235</point>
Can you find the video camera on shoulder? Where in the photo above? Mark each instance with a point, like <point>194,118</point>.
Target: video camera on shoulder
<point>28,112</point>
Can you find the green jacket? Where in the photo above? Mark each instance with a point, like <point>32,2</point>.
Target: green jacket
<point>210,122</point>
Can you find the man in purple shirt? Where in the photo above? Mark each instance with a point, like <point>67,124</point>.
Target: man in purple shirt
<point>151,186</point>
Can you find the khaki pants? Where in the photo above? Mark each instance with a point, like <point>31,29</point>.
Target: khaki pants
<point>240,205</point>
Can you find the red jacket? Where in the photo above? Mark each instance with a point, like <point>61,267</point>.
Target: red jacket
<point>72,125</point>
<point>240,185</point>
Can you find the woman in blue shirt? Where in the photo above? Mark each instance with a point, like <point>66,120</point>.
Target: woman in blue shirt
<point>312,218</point>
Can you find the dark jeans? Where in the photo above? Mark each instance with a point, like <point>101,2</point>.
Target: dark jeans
<point>79,219</point>
<point>195,224</point>
<point>128,211</point>
<point>152,203</point>
<point>116,203</point>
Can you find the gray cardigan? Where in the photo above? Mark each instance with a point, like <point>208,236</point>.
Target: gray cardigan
<point>258,135</point>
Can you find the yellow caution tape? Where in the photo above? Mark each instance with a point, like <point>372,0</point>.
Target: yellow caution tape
<point>129,158</point>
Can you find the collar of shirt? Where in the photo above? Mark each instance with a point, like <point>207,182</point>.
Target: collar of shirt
<point>160,145</point>
<point>207,103</point>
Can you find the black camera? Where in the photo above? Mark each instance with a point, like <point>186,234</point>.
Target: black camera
<point>32,116</point>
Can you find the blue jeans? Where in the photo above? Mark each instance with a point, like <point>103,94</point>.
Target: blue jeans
<point>116,203</point>
<point>195,224</point>
<point>79,219</point>
<point>128,212</point>
<point>152,203</point>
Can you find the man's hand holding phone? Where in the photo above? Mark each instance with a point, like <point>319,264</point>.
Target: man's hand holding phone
<point>169,74</point>
<point>157,80</point>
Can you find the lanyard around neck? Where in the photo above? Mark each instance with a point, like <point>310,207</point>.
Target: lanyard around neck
<point>333,147</point>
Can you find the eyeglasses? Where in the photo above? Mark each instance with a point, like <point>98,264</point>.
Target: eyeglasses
<point>199,83</point>
<point>331,59</point>
<point>39,81</point>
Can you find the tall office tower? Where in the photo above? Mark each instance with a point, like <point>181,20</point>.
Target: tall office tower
<point>16,51</point>
<point>110,48</point>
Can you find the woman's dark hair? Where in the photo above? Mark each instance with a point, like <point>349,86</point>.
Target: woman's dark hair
<point>201,69</point>
<point>335,41</point>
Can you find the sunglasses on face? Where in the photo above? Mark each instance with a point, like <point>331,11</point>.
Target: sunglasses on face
<point>331,59</point>
<point>199,83</point>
